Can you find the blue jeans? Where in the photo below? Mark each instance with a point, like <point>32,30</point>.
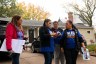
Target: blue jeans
<point>15,58</point>
<point>48,57</point>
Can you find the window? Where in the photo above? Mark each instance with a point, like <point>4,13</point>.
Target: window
<point>88,32</point>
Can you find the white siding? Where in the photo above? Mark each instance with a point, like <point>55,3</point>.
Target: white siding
<point>88,36</point>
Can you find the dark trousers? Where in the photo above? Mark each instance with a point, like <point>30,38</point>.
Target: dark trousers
<point>48,57</point>
<point>15,58</point>
<point>71,56</point>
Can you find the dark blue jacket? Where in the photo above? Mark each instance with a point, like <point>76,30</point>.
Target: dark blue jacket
<point>68,42</point>
<point>47,42</point>
<point>58,31</point>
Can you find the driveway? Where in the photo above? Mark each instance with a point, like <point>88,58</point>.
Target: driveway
<point>36,58</point>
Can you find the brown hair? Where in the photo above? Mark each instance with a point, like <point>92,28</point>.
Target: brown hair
<point>73,26</point>
<point>55,22</point>
<point>46,21</point>
<point>15,19</point>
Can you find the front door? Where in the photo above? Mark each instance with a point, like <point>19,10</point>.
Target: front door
<point>31,35</point>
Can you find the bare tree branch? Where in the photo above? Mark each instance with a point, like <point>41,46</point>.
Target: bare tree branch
<point>86,13</point>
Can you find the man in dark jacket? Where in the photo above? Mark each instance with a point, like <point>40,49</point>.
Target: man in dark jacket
<point>58,54</point>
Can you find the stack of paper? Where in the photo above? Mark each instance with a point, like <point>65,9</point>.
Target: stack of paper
<point>86,55</point>
<point>17,45</point>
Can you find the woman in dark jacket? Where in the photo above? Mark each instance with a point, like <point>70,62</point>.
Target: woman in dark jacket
<point>47,41</point>
<point>70,42</point>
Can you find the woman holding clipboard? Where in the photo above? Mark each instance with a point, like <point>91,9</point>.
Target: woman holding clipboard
<point>14,30</point>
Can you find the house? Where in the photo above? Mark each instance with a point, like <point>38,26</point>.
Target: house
<point>31,29</point>
<point>83,27</point>
<point>87,32</point>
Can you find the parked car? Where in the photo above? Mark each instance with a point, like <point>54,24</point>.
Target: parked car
<point>2,37</point>
<point>35,46</point>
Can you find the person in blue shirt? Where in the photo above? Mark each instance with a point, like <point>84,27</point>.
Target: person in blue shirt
<point>47,41</point>
<point>58,54</point>
<point>70,42</point>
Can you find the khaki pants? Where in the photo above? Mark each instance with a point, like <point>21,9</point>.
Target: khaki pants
<point>58,55</point>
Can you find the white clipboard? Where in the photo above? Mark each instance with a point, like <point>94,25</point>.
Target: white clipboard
<point>17,45</point>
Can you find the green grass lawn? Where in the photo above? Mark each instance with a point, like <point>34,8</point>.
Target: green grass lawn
<point>92,47</point>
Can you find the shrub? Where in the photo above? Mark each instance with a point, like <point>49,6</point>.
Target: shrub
<point>92,47</point>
